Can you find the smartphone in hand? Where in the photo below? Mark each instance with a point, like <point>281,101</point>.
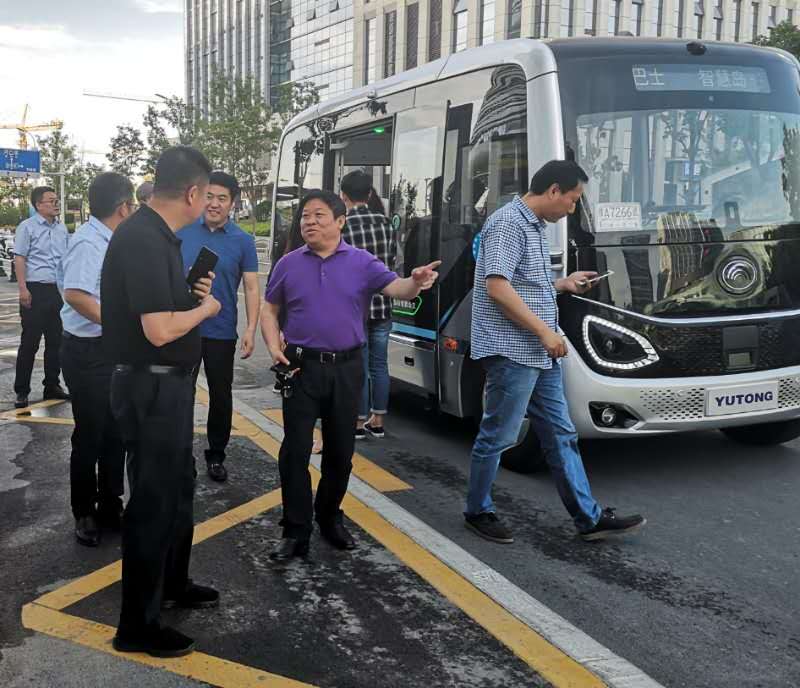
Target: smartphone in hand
<point>205,262</point>
<point>595,280</point>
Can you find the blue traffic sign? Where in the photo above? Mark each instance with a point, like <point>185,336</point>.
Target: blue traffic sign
<point>20,162</point>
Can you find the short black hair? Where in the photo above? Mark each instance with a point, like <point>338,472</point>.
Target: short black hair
<point>145,192</point>
<point>107,192</point>
<point>178,169</point>
<point>328,198</point>
<point>567,174</point>
<point>357,185</point>
<point>221,178</point>
<point>38,194</point>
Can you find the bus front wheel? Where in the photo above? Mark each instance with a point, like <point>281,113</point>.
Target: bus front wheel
<point>765,434</point>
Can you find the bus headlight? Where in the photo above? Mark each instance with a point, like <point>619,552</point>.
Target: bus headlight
<point>615,347</point>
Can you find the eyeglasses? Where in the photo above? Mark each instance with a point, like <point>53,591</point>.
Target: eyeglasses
<point>52,201</point>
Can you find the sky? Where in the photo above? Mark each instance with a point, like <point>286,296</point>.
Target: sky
<point>51,51</point>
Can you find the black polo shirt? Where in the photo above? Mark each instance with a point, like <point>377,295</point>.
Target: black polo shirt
<point>143,273</point>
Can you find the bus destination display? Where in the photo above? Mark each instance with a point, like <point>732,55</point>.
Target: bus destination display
<point>687,77</point>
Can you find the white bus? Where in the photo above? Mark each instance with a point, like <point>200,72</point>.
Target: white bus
<point>693,154</point>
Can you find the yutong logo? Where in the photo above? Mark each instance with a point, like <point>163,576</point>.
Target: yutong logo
<point>740,399</point>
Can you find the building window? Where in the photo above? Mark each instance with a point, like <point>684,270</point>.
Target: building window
<point>755,20</point>
<point>590,17</point>
<point>514,24</point>
<point>718,20</point>
<point>614,18</point>
<point>738,23</point>
<point>657,18</point>
<point>390,44</point>
<point>541,18</point>
<point>772,22</point>
<point>370,45</point>
<point>460,26</point>
<point>637,12</point>
<point>412,35</point>
<point>486,25</point>
<point>679,19</point>
<point>699,14</point>
<point>435,30</point>
<point>790,16</point>
<point>567,22</point>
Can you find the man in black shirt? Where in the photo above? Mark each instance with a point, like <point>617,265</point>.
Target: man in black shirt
<point>150,322</point>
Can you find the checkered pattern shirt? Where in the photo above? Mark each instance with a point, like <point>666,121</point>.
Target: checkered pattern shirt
<point>373,232</point>
<point>513,244</point>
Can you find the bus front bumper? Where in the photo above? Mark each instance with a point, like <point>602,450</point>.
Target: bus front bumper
<point>648,406</point>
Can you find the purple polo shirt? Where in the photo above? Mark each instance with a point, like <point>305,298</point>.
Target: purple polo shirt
<point>324,303</point>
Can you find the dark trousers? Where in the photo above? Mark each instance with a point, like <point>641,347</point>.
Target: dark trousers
<point>330,391</point>
<point>42,318</point>
<point>97,461</point>
<point>218,355</point>
<point>154,413</point>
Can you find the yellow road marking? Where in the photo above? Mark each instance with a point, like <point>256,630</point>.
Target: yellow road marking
<point>363,468</point>
<point>198,666</point>
<point>13,413</point>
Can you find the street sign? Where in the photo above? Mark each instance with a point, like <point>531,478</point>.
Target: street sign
<point>19,163</point>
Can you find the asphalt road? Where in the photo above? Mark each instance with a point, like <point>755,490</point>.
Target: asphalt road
<point>708,595</point>
<point>705,596</point>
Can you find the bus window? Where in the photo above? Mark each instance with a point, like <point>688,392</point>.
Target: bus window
<point>485,166</point>
<point>299,168</point>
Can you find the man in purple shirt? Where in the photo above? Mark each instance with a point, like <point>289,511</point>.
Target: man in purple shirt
<point>322,292</point>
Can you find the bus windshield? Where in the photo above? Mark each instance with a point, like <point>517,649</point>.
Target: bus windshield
<point>675,142</point>
<point>729,169</point>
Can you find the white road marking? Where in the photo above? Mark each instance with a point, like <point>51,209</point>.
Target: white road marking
<point>611,668</point>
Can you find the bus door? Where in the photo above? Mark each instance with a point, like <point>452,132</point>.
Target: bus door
<point>414,208</point>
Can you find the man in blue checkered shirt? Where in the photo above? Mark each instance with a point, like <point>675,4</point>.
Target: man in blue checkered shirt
<point>516,337</point>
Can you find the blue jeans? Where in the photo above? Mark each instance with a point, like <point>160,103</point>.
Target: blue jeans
<point>511,390</point>
<point>376,370</point>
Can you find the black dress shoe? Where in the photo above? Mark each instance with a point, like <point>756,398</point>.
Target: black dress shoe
<point>57,392</point>
<point>157,642</point>
<point>86,531</point>
<point>216,471</point>
<point>21,401</point>
<point>288,548</point>
<point>336,534</point>
<point>192,597</point>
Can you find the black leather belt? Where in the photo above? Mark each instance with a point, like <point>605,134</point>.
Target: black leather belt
<point>302,354</point>
<point>67,335</point>
<point>178,371</point>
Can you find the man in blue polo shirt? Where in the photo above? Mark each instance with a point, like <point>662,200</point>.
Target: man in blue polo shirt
<point>97,460</point>
<point>39,243</point>
<point>237,262</point>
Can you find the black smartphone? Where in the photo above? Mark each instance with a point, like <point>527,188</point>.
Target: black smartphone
<point>205,262</point>
<point>283,370</point>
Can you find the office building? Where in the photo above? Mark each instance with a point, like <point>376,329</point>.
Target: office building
<point>392,36</point>
<point>274,41</point>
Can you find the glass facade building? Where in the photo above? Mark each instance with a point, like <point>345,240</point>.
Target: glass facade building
<point>274,41</point>
<point>283,41</point>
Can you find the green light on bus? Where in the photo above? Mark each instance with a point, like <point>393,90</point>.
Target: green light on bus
<point>379,130</point>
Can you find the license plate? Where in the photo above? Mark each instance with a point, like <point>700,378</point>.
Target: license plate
<point>723,401</point>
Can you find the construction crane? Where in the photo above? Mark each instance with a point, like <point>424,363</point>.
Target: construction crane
<point>24,128</point>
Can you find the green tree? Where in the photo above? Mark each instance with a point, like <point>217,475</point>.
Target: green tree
<point>174,116</point>
<point>127,151</point>
<point>785,36</point>
<point>239,134</point>
<point>294,98</point>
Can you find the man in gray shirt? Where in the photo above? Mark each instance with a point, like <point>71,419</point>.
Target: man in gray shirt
<point>39,244</point>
